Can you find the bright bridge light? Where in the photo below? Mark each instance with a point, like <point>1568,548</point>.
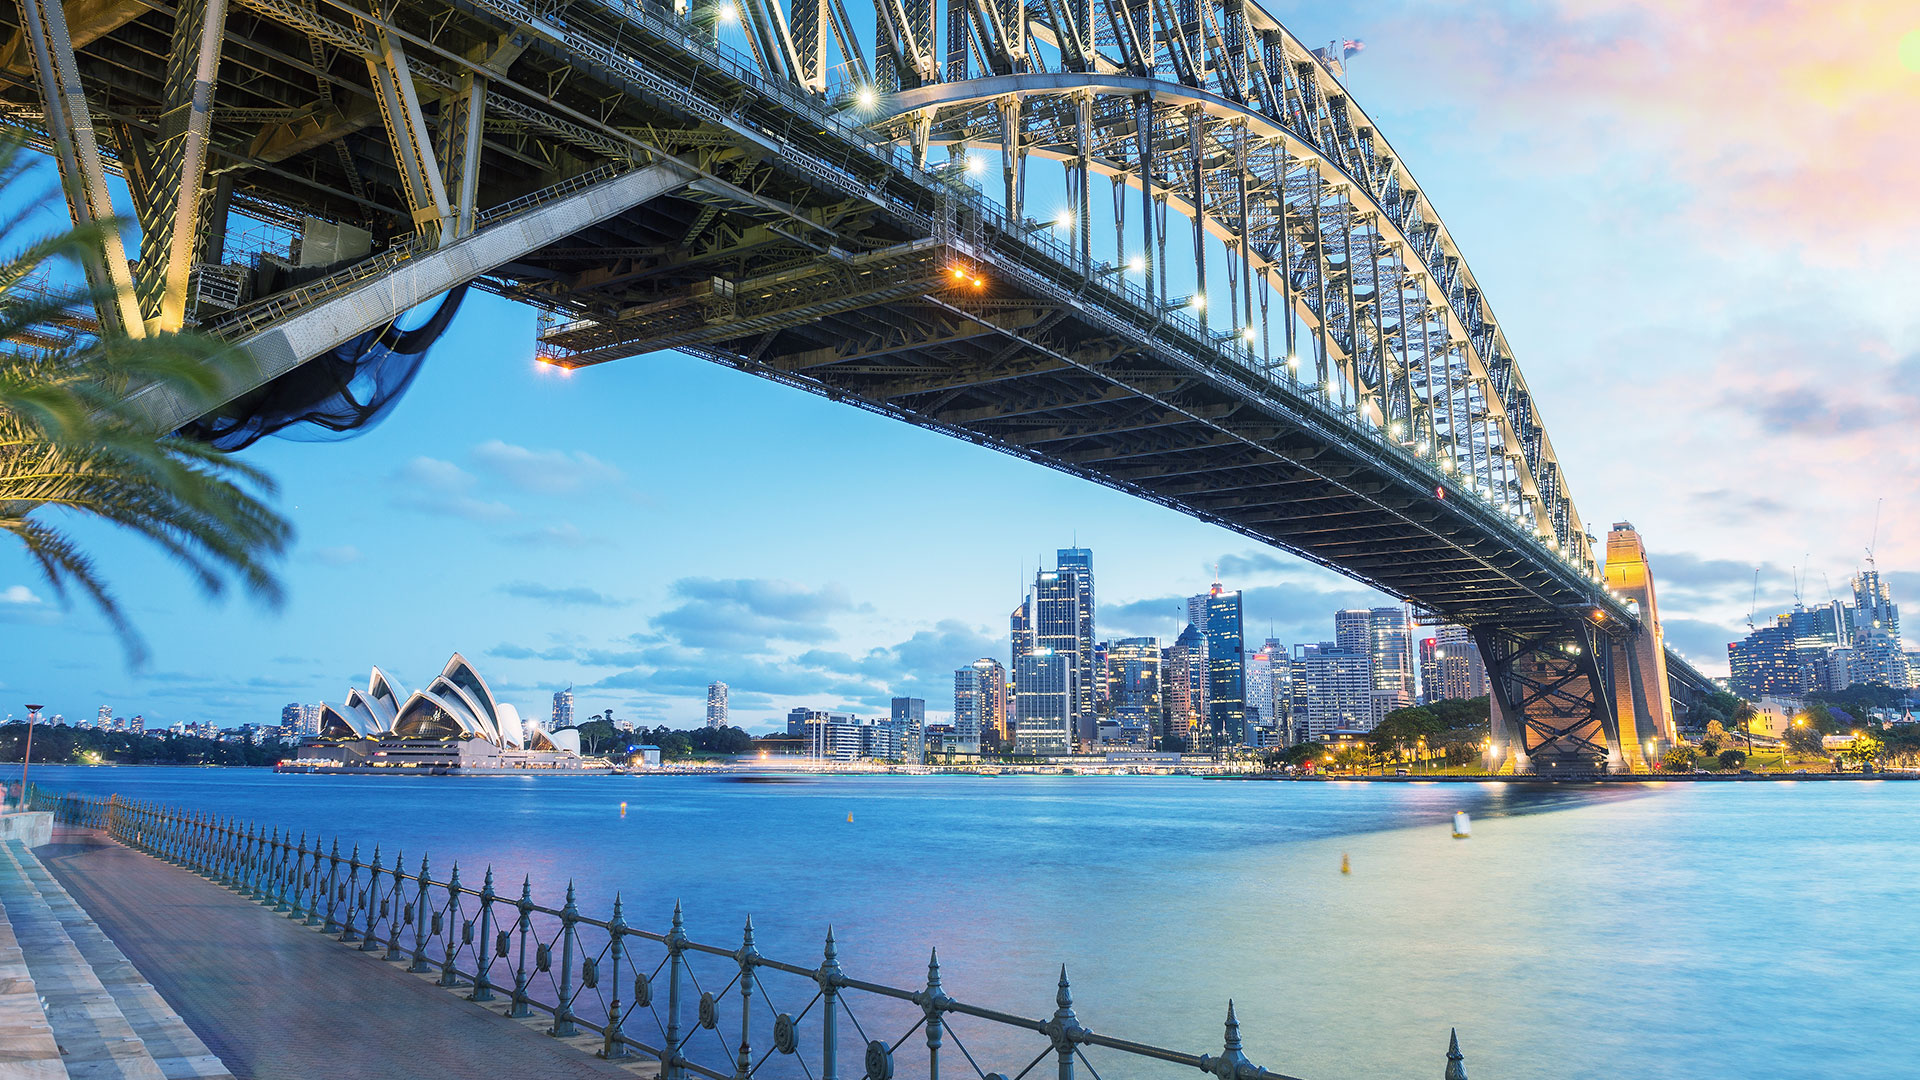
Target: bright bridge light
<point>1199,303</point>
<point>866,97</point>
<point>1063,220</point>
<point>1137,264</point>
<point>1293,362</point>
<point>976,164</point>
<point>729,13</point>
<point>1248,335</point>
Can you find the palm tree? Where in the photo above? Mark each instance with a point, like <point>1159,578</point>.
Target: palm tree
<point>70,444</point>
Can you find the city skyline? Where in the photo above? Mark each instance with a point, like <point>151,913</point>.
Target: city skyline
<point>546,507</point>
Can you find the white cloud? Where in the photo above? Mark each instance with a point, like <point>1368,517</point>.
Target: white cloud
<point>545,472</point>
<point>19,594</point>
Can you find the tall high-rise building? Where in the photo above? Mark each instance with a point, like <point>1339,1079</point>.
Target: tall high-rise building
<point>1079,561</point>
<point>1332,691</point>
<point>1765,662</point>
<point>1226,669</point>
<point>563,709</point>
<point>1458,672</point>
<point>1020,626</point>
<point>1878,655</point>
<point>1259,698</point>
<point>1135,698</point>
<point>1353,631</point>
<point>1281,660</point>
<point>1390,652</point>
<point>1043,704</point>
<point>1429,668</point>
<point>909,716</point>
<point>980,705</point>
<point>1056,606</point>
<point>1177,712</point>
<point>290,717</point>
<point>716,704</point>
<point>103,720</point>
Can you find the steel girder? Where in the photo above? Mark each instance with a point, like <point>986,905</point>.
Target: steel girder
<point>1552,693</point>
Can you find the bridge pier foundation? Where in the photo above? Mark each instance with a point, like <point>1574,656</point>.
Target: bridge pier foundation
<point>1551,699</point>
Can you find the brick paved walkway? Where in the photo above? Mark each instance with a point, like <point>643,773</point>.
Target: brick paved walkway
<point>278,1001</point>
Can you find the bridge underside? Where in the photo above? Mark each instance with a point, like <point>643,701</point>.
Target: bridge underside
<point>743,218</point>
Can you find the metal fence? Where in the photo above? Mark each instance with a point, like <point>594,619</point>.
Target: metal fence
<point>699,1010</point>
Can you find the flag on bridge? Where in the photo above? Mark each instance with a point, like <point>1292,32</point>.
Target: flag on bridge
<point>1351,46</point>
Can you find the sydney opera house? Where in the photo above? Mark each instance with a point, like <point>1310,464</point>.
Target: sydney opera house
<point>454,726</point>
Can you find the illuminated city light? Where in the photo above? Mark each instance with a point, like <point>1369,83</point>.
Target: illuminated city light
<point>1137,264</point>
<point>976,164</point>
<point>1293,361</point>
<point>729,14</point>
<point>866,97</point>
<point>1063,220</point>
<point>1248,335</point>
<point>1199,303</point>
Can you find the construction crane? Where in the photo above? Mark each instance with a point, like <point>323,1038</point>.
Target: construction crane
<point>1753,602</point>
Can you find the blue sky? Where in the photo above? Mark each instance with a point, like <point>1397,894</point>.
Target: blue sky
<point>1716,321</point>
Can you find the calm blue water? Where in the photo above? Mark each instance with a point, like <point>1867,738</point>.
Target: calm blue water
<point>1695,930</point>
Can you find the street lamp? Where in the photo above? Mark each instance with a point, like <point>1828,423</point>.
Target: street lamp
<point>33,714</point>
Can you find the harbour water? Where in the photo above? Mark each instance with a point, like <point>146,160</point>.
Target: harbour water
<point>1689,930</point>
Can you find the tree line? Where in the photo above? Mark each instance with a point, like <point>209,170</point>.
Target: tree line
<point>60,745</point>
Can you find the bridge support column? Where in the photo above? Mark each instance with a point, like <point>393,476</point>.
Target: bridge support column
<point>1640,653</point>
<point>1551,695</point>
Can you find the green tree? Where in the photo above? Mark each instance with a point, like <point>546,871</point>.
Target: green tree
<point>1732,760</point>
<point>71,442</point>
<point>1678,759</point>
<point>1863,751</point>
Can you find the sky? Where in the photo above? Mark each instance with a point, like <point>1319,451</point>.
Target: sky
<point>1694,218</point>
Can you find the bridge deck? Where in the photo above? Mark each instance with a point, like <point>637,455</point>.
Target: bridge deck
<point>274,999</point>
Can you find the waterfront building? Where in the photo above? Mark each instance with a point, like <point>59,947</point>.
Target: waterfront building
<point>1226,669</point>
<point>1332,691</point>
<point>1043,704</point>
<point>562,709</point>
<point>1277,707</point>
<point>1020,624</point>
<point>1192,644</point>
<point>454,725</point>
<point>138,725</point>
<point>979,706</point>
<point>103,720</point>
<point>1765,662</point>
<point>290,715</point>
<point>1353,631</point>
<point>716,704</point>
<point>909,718</point>
<point>1134,683</point>
<point>798,719</point>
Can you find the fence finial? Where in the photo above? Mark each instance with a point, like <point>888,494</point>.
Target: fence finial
<point>1456,1067</point>
<point>1063,997</point>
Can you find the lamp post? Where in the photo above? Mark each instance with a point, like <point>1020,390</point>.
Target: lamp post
<point>33,715</point>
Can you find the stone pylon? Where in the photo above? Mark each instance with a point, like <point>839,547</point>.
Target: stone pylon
<point>1641,694</point>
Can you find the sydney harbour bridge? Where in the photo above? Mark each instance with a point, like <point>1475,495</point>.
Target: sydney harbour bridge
<point>1153,243</point>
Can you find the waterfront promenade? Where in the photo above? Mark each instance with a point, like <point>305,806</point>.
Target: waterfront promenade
<point>272,998</point>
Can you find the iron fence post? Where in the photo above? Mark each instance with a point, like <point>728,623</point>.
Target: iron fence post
<point>448,975</point>
<point>288,871</point>
<point>370,939</point>
<point>420,965</point>
<point>615,1043</point>
<point>1456,1062</point>
<point>524,924</point>
<point>353,890</point>
<point>670,1068</point>
<point>315,881</point>
<point>483,956</point>
<point>829,980</point>
<point>563,1025</point>
<point>395,896</point>
<point>935,1000</point>
<point>748,955</point>
<point>1064,1025</point>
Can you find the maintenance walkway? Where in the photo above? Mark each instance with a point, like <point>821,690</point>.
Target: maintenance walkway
<point>260,995</point>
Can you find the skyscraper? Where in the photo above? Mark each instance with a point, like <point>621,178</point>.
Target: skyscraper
<point>563,709</point>
<point>1133,678</point>
<point>1226,669</point>
<point>1462,674</point>
<point>980,705</point>
<point>1766,662</point>
<point>1259,690</point>
<point>716,704</point>
<point>1353,631</point>
<point>1281,698</point>
<point>1020,625</point>
<point>1332,691</point>
<point>1043,704</point>
<point>1390,653</point>
<point>909,716</point>
<point>1176,689</point>
<point>1079,561</point>
<point>1055,606</point>
<point>1878,656</point>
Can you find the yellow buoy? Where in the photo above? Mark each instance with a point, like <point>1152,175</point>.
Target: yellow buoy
<point>1345,866</point>
<point>623,808</point>
<point>849,817</point>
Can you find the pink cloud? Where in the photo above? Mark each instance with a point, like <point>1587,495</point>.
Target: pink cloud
<point>1784,122</point>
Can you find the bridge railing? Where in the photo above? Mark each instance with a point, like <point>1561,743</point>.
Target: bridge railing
<point>720,1012</point>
